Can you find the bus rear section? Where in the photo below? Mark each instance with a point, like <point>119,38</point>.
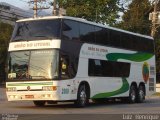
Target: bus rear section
<point>118,73</point>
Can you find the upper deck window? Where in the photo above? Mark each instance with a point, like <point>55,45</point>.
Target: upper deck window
<point>36,30</point>
<point>70,30</point>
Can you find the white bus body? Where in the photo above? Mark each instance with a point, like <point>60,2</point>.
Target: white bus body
<point>102,71</point>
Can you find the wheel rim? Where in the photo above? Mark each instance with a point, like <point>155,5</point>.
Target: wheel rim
<point>133,95</point>
<point>141,94</point>
<point>83,97</point>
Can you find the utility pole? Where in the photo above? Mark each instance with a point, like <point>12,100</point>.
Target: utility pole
<point>37,6</point>
<point>57,11</point>
<point>153,31</point>
<point>54,7</point>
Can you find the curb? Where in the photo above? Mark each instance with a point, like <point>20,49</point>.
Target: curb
<point>3,96</point>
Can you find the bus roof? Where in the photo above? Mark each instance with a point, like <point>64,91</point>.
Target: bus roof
<point>84,21</point>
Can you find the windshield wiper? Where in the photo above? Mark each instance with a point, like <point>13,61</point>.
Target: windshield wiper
<point>20,39</point>
<point>36,77</point>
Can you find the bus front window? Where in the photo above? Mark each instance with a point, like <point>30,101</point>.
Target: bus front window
<point>44,64</point>
<point>18,65</point>
<point>39,64</point>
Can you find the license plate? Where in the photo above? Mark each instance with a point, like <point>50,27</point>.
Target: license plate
<point>29,96</point>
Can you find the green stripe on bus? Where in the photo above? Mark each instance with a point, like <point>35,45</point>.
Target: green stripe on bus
<point>124,88</point>
<point>29,84</point>
<point>136,57</point>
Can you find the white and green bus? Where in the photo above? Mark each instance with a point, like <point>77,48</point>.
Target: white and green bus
<point>59,58</point>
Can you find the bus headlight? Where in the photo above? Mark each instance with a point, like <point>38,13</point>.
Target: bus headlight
<point>10,89</point>
<point>49,88</point>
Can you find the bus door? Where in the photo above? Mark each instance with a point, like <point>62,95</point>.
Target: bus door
<point>66,76</point>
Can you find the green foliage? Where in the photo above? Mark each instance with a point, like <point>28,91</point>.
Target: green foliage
<point>157,51</point>
<point>135,19</point>
<point>5,34</point>
<point>102,11</point>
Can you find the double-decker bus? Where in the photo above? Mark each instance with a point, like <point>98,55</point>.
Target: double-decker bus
<point>59,58</point>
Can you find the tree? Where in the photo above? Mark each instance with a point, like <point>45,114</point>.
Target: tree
<point>102,11</point>
<point>5,32</point>
<point>157,42</point>
<point>135,19</point>
<point>157,51</point>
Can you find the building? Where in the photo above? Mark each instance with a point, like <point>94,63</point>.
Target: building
<point>9,13</point>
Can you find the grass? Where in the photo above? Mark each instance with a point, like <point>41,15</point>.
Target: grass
<point>156,94</point>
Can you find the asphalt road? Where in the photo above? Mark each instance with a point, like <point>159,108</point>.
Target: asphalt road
<point>27,111</point>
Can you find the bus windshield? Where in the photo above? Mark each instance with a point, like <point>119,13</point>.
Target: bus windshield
<point>36,30</point>
<point>30,65</point>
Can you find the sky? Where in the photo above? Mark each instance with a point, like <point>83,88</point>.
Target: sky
<point>23,4</point>
<point>18,3</point>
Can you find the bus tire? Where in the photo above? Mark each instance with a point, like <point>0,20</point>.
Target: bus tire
<point>82,98</point>
<point>132,94</point>
<point>141,94</point>
<point>39,103</point>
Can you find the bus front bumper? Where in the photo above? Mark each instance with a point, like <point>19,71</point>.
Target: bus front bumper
<point>33,95</point>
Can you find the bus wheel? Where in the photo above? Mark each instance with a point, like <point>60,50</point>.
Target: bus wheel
<point>141,94</point>
<point>39,103</point>
<point>132,94</point>
<point>82,98</point>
